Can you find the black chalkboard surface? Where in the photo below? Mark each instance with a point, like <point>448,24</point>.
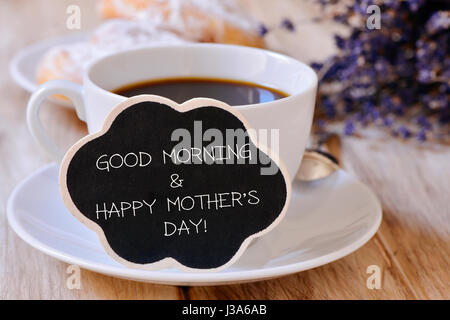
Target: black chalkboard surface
<point>167,185</point>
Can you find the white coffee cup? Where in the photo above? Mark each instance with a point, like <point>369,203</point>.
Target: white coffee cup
<point>93,101</point>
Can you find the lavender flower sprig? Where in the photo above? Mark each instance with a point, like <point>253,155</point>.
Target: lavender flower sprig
<point>396,77</point>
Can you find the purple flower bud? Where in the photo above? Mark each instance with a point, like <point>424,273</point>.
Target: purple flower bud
<point>388,122</point>
<point>404,132</point>
<point>424,122</point>
<point>414,5</point>
<point>262,30</point>
<point>316,66</point>
<point>375,114</point>
<point>329,108</point>
<point>288,25</point>
<point>340,42</point>
<point>439,21</point>
<point>421,135</point>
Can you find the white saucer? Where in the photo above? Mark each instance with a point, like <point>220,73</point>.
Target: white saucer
<point>326,221</point>
<point>24,63</point>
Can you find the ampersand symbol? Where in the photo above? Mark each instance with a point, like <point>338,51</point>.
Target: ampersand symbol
<point>176,181</point>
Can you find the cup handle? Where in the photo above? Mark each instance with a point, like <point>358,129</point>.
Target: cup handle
<point>69,89</point>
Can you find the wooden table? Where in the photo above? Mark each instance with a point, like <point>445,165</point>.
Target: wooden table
<point>412,246</point>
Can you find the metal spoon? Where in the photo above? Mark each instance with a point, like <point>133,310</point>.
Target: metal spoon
<point>317,163</point>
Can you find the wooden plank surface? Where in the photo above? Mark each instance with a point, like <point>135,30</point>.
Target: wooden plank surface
<point>412,247</point>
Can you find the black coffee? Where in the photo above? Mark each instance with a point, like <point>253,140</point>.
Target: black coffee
<point>182,89</point>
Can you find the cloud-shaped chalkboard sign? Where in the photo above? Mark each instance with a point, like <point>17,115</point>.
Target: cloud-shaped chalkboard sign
<point>169,185</point>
